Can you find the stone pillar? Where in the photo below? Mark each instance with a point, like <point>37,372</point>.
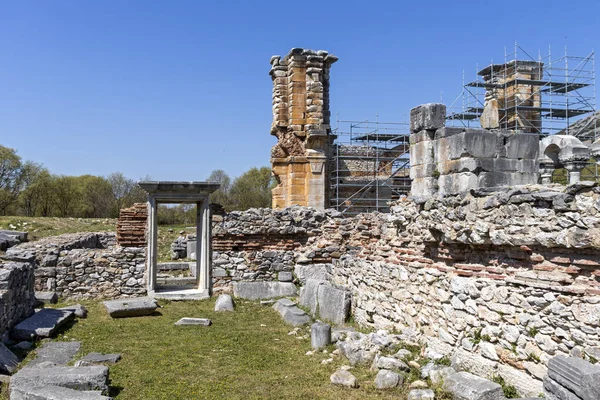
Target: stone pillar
<point>203,239</point>
<point>152,243</point>
<point>546,170</point>
<point>575,168</point>
<point>301,124</point>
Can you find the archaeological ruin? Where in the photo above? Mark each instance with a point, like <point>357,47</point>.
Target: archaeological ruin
<point>485,264</point>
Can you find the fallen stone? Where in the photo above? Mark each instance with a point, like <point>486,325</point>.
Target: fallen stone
<point>8,360</point>
<point>54,393</point>
<point>263,290</point>
<point>24,345</point>
<point>224,303</point>
<point>440,373</point>
<point>47,297</point>
<point>194,321</point>
<point>390,363</point>
<point>421,394</point>
<point>99,358</point>
<point>58,353</point>
<point>78,378</point>
<point>386,379</point>
<point>131,307</point>
<point>555,391</point>
<point>418,385</point>
<point>576,374</point>
<point>466,386</point>
<point>79,310</point>
<point>44,323</point>
<point>320,335</point>
<point>344,378</point>
<point>291,313</point>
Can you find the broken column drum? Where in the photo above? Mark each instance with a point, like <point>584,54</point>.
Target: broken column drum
<point>301,123</point>
<point>181,192</point>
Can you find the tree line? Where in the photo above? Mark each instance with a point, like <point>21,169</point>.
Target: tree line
<point>30,189</point>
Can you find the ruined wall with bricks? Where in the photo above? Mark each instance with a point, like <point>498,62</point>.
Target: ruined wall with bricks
<point>131,226</point>
<point>498,281</point>
<point>84,266</point>
<point>301,124</point>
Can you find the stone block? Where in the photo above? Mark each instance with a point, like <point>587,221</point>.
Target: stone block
<point>320,335</point>
<point>224,303</point>
<point>79,310</point>
<point>54,393</point>
<point>343,378</point>
<point>477,165</point>
<point>523,146</point>
<point>423,171</point>
<point>285,276</point>
<point>477,143</point>
<point>191,249</point>
<point>427,116</point>
<point>8,360</point>
<point>290,313</point>
<point>421,394</point>
<point>41,324</point>
<point>263,290</point>
<point>421,153</point>
<point>59,353</point>
<point>99,358</point>
<point>78,378</point>
<point>555,391</point>
<point>312,271</point>
<point>466,386</point>
<point>333,303</point>
<point>502,179</point>
<point>388,379</point>
<point>423,187</point>
<point>309,294</point>
<point>421,136</point>
<point>457,183</point>
<point>576,374</point>
<point>46,297</point>
<point>194,321</point>
<point>448,131</point>
<point>130,307</point>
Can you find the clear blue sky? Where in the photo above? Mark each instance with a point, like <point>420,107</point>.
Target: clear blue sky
<point>175,89</point>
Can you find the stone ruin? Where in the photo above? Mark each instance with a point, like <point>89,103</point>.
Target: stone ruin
<point>301,123</point>
<point>131,226</point>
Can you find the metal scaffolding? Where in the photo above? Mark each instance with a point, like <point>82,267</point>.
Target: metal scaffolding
<point>369,165</point>
<point>564,94</point>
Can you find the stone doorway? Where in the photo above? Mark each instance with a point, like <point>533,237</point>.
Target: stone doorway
<point>169,192</point>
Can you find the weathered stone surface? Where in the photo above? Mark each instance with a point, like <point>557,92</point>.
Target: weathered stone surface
<point>194,321</point>
<point>333,303</point>
<point>386,379</point>
<point>99,358</point>
<point>130,307</point>
<point>320,335</point>
<point>78,378</point>
<point>427,117</point>
<point>285,276</point>
<point>59,353</point>
<point>421,394</point>
<point>344,378</point>
<point>44,324</point>
<point>54,393</point>
<point>79,310</point>
<point>46,297</point>
<point>439,373</point>
<point>309,294</point>
<point>390,363</point>
<point>263,290</point>
<point>224,303</point>
<point>320,272</point>
<point>8,360</point>
<point>577,375</point>
<point>466,386</point>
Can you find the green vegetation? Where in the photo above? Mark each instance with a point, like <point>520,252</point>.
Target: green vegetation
<point>246,354</point>
<point>510,392</point>
<point>478,337</point>
<point>40,227</point>
<point>444,361</point>
<point>533,331</point>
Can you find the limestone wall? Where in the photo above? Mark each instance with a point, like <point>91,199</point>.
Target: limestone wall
<point>84,266</point>
<point>17,297</point>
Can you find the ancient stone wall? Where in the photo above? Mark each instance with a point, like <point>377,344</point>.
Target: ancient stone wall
<point>84,266</point>
<point>449,160</point>
<point>17,297</point>
<point>499,281</point>
<point>301,125</point>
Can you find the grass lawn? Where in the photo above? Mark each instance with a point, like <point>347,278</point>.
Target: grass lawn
<point>40,227</point>
<point>246,354</point>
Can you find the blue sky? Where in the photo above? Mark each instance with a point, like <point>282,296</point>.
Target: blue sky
<point>175,89</point>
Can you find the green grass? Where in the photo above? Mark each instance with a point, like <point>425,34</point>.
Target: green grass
<point>246,354</point>
<point>40,227</point>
